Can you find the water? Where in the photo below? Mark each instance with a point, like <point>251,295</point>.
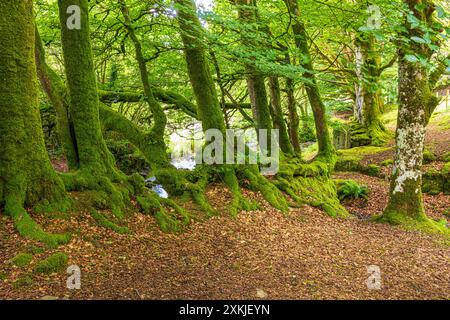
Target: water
<point>184,163</point>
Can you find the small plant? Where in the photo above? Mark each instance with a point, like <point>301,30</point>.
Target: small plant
<point>350,189</point>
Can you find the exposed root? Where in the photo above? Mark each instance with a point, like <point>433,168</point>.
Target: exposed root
<point>28,228</point>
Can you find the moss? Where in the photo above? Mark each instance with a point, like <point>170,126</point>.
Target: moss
<point>3,276</point>
<point>169,220</point>
<point>104,222</point>
<point>446,157</point>
<point>238,200</point>
<point>22,259</point>
<point>35,249</point>
<point>27,227</point>
<point>54,263</point>
<point>428,156</point>
<point>372,170</point>
<point>361,152</point>
<point>23,281</point>
<point>421,223</point>
<point>387,162</point>
<point>27,177</point>
<point>432,182</point>
<point>314,189</point>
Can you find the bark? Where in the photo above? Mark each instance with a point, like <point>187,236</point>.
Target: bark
<point>312,90</point>
<point>152,148</point>
<point>255,80</point>
<point>26,174</point>
<point>192,34</point>
<point>277,115</point>
<point>159,117</point>
<point>368,102</point>
<point>294,119</point>
<point>56,91</point>
<point>93,154</point>
<point>416,104</point>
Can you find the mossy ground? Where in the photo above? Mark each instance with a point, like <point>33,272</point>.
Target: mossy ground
<point>421,223</point>
<point>54,263</point>
<point>22,259</point>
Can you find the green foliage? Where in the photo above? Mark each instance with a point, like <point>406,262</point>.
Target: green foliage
<point>54,263</point>
<point>22,259</point>
<point>350,189</point>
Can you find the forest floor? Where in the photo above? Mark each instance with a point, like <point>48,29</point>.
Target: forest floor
<point>266,254</point>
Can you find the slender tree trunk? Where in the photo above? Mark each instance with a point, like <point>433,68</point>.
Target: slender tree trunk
<point>56,91</point>
<point>159,116</point>
<point>277,115</point>
<point>208,106</point>
<point>294,120</point>
<point>255,80</point>
<point>26,174</point>
<point>312,90</point>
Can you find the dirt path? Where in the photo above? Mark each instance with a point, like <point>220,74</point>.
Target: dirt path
<point>300,255</point>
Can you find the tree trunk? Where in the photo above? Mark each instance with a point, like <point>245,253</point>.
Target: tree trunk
<point>56,91</point>
<point>294,120</point>
<point>416,104</point>
<point>255,80</point>
<point>312,90</point>
<point>159,116</point>
<point>82,87</point>
<point>26,175</point>
<point>208,106</point>
<point>277,115</point>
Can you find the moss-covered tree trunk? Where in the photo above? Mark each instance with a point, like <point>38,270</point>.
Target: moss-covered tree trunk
<point>93,154</point>
<point>56,91</point>
<point>277,115</point>
<point>208,106</point>
<point>368,102</point>
<point>26,174</point>
<point>159,116</point>
<point>294,119</point>
<point>312,90</point>
<point>416,104</point>
<point>248,14</point>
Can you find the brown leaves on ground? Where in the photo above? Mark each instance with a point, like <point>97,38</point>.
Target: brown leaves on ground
<point>300,255</point>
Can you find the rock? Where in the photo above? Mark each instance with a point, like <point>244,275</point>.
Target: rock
<point>261,294</point>
<point>341,138</point>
